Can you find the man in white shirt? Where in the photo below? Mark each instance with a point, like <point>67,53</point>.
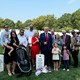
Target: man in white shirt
<point>22,38</point>
<point>29,33</point>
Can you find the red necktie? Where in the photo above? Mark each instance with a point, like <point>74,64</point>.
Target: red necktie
<point>64,38</point>
<point>52,37</point>
<point>47,37</point>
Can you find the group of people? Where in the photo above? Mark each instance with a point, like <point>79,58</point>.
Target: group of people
<point>55,48</point>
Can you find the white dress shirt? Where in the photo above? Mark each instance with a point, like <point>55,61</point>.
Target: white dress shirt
<point>23,40</point>
<point>29,34</point>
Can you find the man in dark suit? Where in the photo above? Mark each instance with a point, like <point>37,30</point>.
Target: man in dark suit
<point>46,45</point>
<point>66,39</point>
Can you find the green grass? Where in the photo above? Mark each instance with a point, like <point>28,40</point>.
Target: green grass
<point>1,50</point>
<point>73,74</point>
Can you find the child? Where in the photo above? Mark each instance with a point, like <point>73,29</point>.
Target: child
<point>66,54</point>
<point>7,44</point>
<point>56,51</point>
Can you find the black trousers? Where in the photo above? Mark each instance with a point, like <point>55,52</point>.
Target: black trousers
<point>66,64</point>
<point>48,57</point>
<point>75,57</point>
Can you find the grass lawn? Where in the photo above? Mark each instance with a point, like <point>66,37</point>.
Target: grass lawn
<point>73,74</point>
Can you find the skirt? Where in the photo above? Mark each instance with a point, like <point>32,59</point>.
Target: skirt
<point>55,57</point>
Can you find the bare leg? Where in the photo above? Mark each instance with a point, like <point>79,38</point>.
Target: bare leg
<point>13,67</point>
<point>54,66</point>
<point>9,53</point>
<point>9,47</point>
<point>59,63</point>
<point>8,69</point>
<point>33,62</point>
<point>57,66</point>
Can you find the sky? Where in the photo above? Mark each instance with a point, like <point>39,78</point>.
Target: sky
<point>30,9</point>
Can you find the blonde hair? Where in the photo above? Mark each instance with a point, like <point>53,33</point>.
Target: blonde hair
<point>55,44</point>
<point>46,28</point>
<point>59,37</point>
<point>36,32</point>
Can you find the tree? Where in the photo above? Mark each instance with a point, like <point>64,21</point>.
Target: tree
<point>76,19</point>
<point>65,21</point>
<point>1,22</point>
<point>43,21</point>
<point>39,22</point>
<point>18,24</point>
<point>9,22</point>
<point>26,23</point>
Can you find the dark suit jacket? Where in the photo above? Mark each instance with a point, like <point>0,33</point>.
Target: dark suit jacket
<point>67,41</point>
<point>43,39</point>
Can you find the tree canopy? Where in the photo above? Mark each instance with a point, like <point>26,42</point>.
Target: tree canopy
<point>66,21</point>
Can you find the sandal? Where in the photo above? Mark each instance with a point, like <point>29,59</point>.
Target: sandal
<point>9,74</point>
<point>13,73</point>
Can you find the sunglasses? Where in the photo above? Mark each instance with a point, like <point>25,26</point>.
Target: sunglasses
<point>22,32</point>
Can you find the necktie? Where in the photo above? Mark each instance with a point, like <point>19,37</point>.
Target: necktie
<point>64,38</point>
<point>47,37</point>
<point>53,37</point>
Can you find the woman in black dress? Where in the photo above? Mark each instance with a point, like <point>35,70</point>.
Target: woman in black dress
<point>11,59</point>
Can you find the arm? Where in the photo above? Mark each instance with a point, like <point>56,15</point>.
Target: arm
<point>68,52</point>
<point>52,51</point>
<point>76,43</point>
<point>55,51</point>
<point>59,51</point>
<point>34,42</point>
<point>42,39</point>
<point>14,44</point>
<point>6,45</point>
<point>25,42</point>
